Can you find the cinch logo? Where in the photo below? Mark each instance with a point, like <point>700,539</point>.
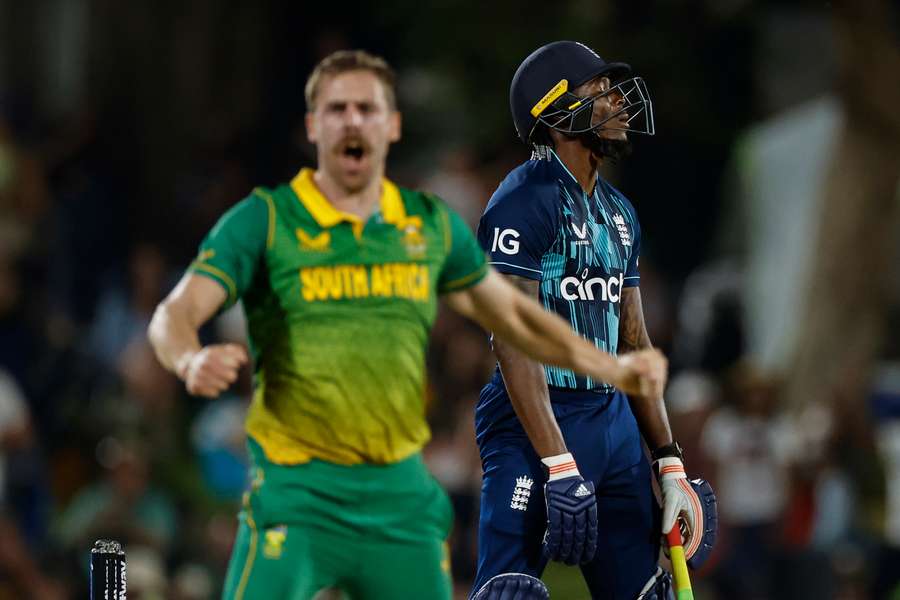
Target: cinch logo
<point>503,242</point>
<point>392,280</point>
<point>610,290</point>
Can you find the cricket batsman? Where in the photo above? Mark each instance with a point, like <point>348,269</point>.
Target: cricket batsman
<point>339,271</point>
<point>565,474</point>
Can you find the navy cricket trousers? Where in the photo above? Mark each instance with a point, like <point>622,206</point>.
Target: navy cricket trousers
<point>602,434</point>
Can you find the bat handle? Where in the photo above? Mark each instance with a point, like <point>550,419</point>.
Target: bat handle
<point>683,589</point>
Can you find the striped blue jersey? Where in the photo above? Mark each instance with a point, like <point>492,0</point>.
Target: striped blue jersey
<point>583,249</point>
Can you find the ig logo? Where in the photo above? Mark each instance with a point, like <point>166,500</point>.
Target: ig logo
<point>504,243</point>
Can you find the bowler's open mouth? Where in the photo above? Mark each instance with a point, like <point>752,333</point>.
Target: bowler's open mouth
<point>353,149</point>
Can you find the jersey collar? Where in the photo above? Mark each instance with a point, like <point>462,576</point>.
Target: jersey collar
<point>557,161</point>
<point>326,215</point>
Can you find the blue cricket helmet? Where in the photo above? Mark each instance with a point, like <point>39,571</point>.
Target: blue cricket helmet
<point>541,91</point>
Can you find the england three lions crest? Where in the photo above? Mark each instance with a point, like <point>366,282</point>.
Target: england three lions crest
<point>622,228</point>
<point>521,493</point>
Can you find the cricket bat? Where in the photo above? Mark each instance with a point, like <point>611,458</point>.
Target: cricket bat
<point>679,565</point>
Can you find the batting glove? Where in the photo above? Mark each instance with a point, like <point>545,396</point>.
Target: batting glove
<point>571,535</point>
<point>679,501</point>
<point>513,586</point>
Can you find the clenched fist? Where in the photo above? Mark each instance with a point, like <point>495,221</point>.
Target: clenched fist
<point>212,370</point>
<point>642,373</point>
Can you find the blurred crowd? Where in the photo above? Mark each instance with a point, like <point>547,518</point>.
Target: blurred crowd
<point>97,440</point>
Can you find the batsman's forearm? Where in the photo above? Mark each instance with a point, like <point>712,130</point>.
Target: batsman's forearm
<point>528,394</point>
<point>172,336</point>
<point>652,419</point>
<point>650,413</point>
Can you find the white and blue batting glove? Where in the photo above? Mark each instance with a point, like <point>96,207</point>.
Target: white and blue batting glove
<point>679,502</point>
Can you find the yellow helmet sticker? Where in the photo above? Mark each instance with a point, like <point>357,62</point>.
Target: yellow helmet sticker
<point>555,92</point>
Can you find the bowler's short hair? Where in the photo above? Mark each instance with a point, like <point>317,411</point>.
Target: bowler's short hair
<point>344,61</point>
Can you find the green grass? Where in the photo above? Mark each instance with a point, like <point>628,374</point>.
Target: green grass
<point>565,582</point>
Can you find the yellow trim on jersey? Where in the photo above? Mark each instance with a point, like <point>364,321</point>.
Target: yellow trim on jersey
<point>555,92</point>
<point>225,277</point>
<point>462,281</point>
<point>326,215</point>
<point>251,556</point>
<point>392,208</point>
<point>446,565</point>
<point>270,236</point>
<point>448,233</point>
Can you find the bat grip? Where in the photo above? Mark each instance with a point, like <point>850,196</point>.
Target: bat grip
<point>679,565</point>
<point>674,536</point>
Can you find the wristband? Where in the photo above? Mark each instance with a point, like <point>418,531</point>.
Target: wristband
<point>560,466</point>
<point>672,449</point>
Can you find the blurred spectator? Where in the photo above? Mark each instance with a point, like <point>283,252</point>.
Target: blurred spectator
<point>192,582</point>
<point>454,180</point>
<point>453,459</point>
<point>24,198</point>
<point>146,574</point>
<point>746,446</point>
<point>15,425</point>
<point>886,410</point>
<point>691,397</point>
<point>21,576</point>
<point>16,339</point>
<point>220,441</point>
<point>124,505</point>
<point>149,402</point>
<point>123,312</point>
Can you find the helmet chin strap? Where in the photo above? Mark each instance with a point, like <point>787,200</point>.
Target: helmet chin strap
<point>615,150</point>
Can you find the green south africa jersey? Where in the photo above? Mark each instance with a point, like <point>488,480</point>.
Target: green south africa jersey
<point>338,314</point>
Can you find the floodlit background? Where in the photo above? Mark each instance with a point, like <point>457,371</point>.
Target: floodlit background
<point>768,200</point>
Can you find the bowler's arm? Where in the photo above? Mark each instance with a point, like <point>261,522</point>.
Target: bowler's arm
<point>173,333</point>
<point>649,410</point>
<point>523,324</point>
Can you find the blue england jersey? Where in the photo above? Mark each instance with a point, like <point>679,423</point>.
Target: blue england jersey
<point>583,249</point>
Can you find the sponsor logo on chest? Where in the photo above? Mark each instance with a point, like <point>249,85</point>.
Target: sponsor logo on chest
<point>317,243</point>
<point>581,233</point>
<point>390,280</point>
<point>607,289</point>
